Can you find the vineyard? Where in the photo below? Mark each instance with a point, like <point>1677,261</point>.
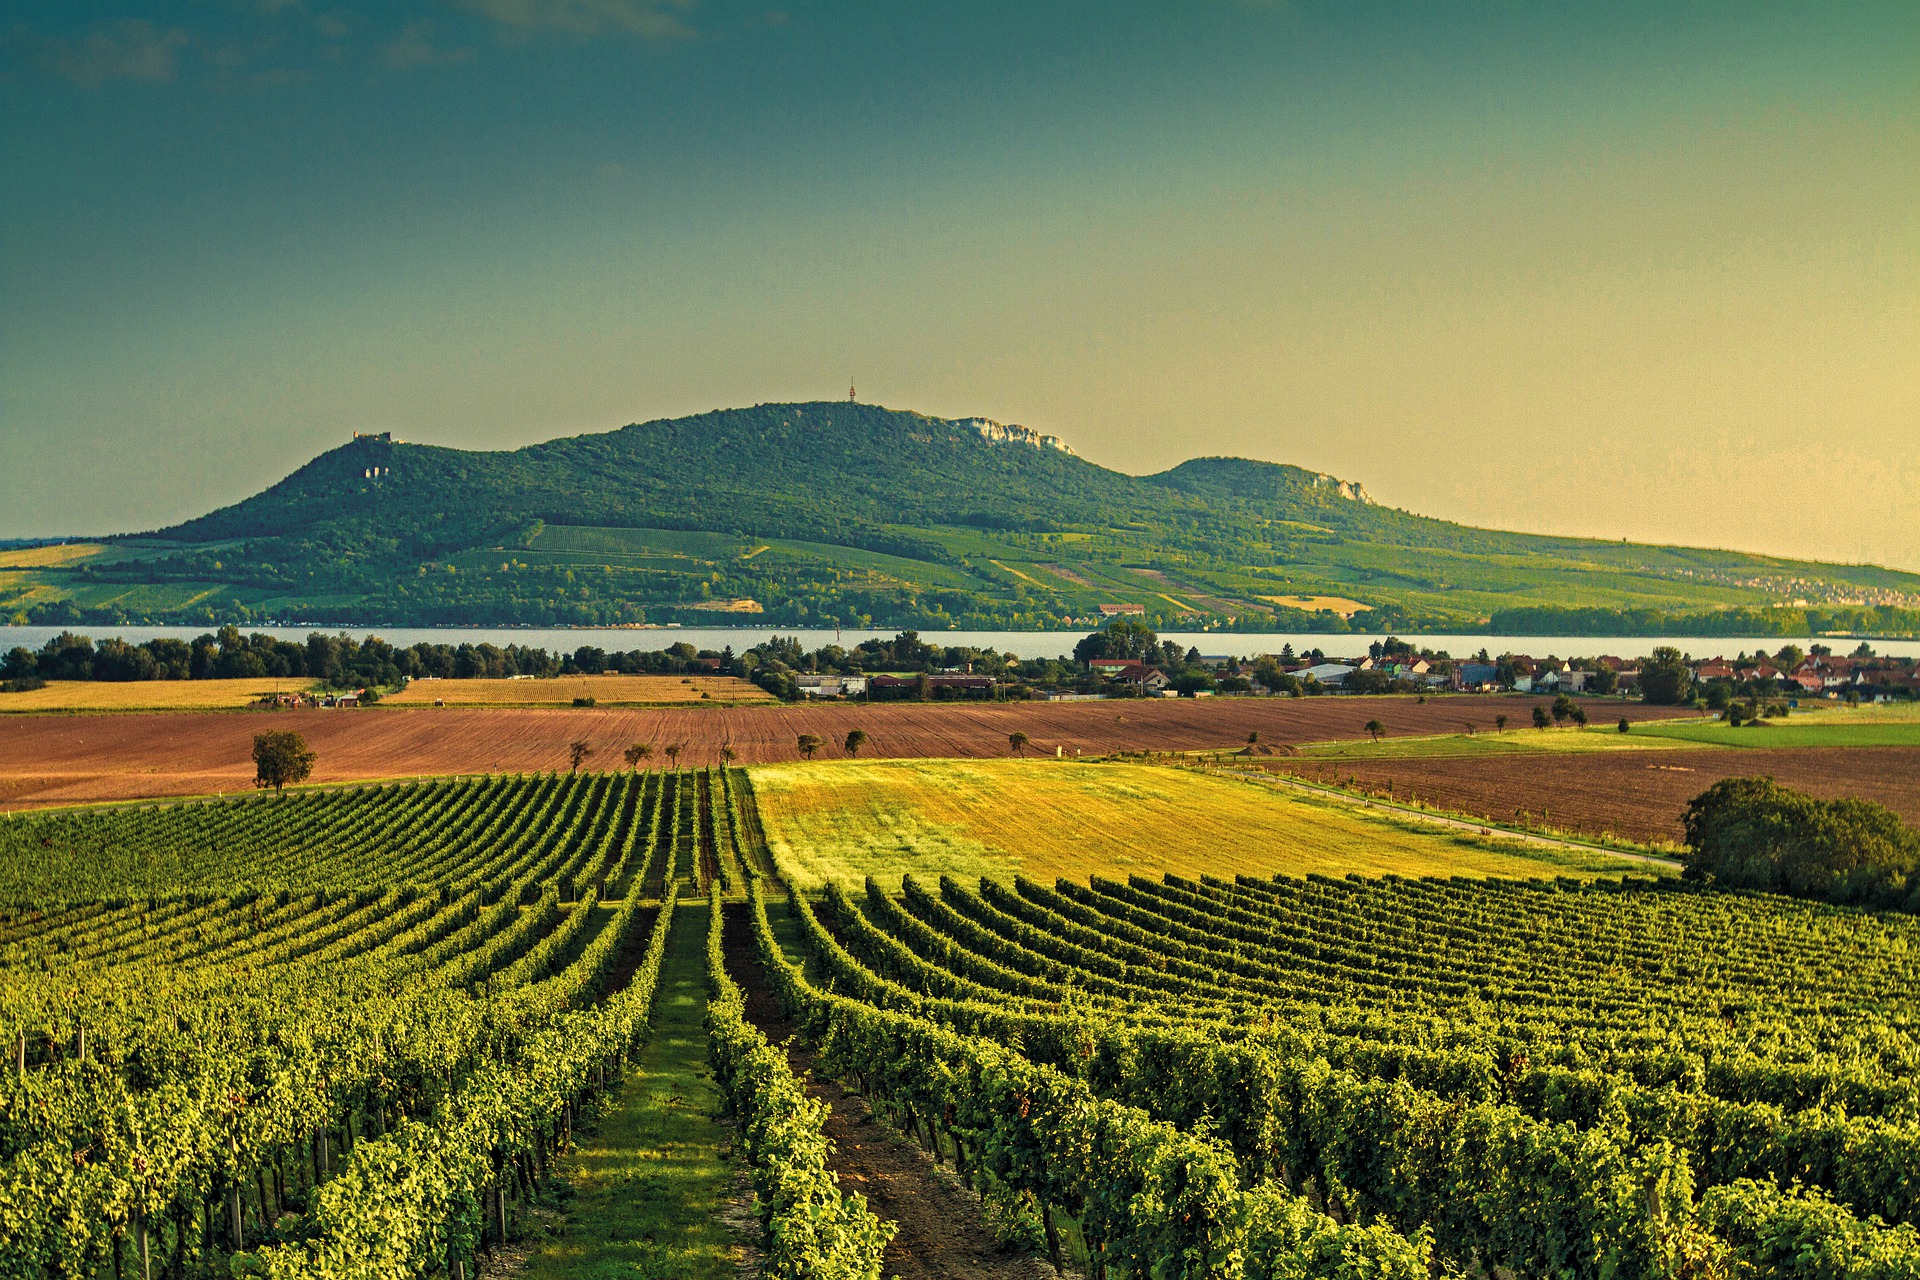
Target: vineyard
<point>350,1033</point>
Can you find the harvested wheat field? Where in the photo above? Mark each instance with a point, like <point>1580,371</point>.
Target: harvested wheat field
<point>149,695</point>
<point>845,820</point>
<point>561,691</point>
<point>1640,795</point>
<point>72,759</point>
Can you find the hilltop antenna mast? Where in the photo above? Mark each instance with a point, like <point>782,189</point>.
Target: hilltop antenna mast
<point>850,399</point>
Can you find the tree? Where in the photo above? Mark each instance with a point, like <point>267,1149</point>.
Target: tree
<point>673,752</point>
<point>728,755</point>
<point>856,738</point>
<point>1123,638</point>
<point>1562,708</point>
<point>1540,717</point>
<point>577,752</point>
<point>1665,678</point>
<point>1602,680</point>
<point>1500,723</point>
<point>1253,739</point>
<point>1753,833</point>
<point>280,758</point>
<point>809,744</point>
<point>634,754</point>
<point>1579,715</point>
<point>1374,729</point>
<point>1017,742</point>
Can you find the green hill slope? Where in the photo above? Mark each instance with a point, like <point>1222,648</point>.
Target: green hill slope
<point>848,514</point>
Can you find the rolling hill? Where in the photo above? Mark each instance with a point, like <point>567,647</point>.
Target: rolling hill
<point>832,513</point>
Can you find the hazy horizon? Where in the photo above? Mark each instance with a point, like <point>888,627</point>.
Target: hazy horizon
<point>1626,271</point>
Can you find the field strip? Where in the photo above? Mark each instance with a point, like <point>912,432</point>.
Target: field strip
<point>1457,824</point>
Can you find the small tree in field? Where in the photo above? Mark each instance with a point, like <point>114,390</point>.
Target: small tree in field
<point>1374,729</point>
<point>1540,717</point>
<point>728,755</point>
<point>280,758</point>
<point>673,752</point>
<point>856,739</point>
<point>634,754</point>
<point>1500,724</point>
<point>810,743</point>
<point>1016,742</point>
<point>1579,714</point>
<point>1623,724</point>
<point>1253,739</point>
<point>577,752</point>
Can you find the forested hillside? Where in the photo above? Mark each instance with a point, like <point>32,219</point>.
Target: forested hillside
<point>849,514</point>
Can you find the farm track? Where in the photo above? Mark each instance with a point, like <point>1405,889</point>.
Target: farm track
<point>73,759</point>
<point>940,1234</point>
<point>1639,795</point>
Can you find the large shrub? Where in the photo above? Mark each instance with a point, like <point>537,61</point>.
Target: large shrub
<point>1752,833</point>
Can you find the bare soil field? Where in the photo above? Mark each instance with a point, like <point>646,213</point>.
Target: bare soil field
<point>1640,795</point>
<point>605,690</point>
<point>73,759</point>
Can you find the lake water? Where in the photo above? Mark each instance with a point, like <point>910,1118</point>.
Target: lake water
<point>1025,644</point>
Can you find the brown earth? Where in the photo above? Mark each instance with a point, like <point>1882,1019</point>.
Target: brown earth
<point>939,1232</point>
<point>67,759</point>
<point>1636,794</point>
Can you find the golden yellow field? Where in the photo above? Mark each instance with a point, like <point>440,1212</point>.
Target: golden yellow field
<point>845,820</point>
<point>147,695</point>
<point>606,691</point>
<point>45,557</point>
<point>1313,604</point>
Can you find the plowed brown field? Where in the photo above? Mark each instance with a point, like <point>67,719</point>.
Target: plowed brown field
<point>69,759</point>
<point>1640,795</point>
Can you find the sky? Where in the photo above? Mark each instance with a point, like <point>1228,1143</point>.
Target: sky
<point>1625,270</point>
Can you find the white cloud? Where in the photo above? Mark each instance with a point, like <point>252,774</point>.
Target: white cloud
<point>414,47</point>
<point>647,19</point>
<point>131,50</point>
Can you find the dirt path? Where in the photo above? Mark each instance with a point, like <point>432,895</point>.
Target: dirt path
<point>940,1236</point>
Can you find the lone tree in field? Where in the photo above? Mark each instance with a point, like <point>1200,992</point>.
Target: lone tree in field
<point>728,755</point>
<point>1374,729</point>
<point>280,758</point>
<point>810,743</point>
<point>1623,724</point>
<point>673,752</point>
<point>634,754</point>
<point>1579,714</point>
<point>1540,717</point>
<point>577,752</point>
<point>856,739</point>
<point>1500,723</point>
<point>1253,739</point>
<point>1017,742</point>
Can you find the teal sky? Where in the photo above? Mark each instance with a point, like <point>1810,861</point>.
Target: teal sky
<point>1646,271</point>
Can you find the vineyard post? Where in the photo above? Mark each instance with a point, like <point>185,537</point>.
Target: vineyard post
<point>80,1045</point>
<point>20,1052</point>
<point>233,1194</point>
<point>140,1234</point>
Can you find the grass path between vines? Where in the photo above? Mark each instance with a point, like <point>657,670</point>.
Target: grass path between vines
<point>655,1194</point>
<point>941,1234</point>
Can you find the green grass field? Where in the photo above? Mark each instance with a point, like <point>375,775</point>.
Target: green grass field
<point>1823,730</point>
<point>846,820</point>
<point>1514,741</point>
